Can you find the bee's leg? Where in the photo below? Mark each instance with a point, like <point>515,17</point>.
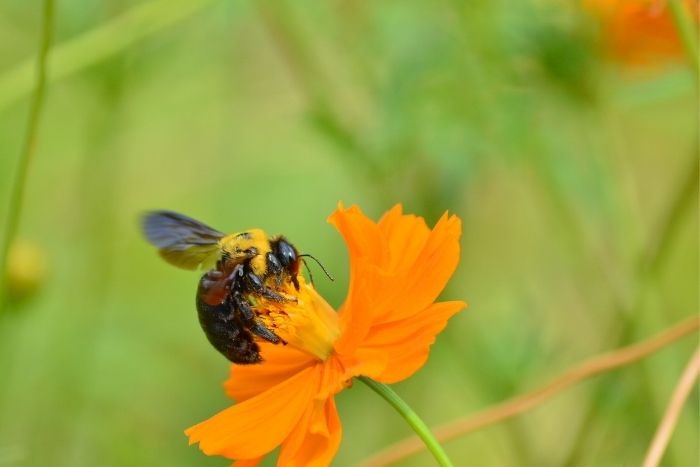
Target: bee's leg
<point>235,277</point>
<point>257,284</point>
<point>242,305</point>
<point>261,330</point>
<point>275,267</point>
<point>295,281</point>
<point>237,345</point>
<point>246,312</point>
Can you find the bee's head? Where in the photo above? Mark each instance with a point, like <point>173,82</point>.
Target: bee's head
<point>289,260</point>
<point>287,255</point>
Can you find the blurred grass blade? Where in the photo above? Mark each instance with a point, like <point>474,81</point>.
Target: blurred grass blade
<point>528,401</point>
<point>668,423</point>
<point>25,158</point>
<point>648,264</point>
<point>98,44</point>
<point>313,83</point>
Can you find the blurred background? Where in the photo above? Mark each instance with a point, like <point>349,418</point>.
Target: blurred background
<point>564,134</point>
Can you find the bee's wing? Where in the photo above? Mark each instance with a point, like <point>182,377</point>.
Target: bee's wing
<point>181,240</point>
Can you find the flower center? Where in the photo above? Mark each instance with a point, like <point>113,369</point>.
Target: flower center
<point>306,322</point>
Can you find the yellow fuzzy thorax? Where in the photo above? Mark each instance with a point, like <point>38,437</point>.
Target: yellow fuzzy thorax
<point>237,245</point>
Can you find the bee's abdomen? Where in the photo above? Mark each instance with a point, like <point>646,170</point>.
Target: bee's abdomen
<point>226,334</point>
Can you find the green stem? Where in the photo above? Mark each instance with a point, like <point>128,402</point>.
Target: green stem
<point>686,30</point>
<point>411,418</point>
<point>29,147</point>
<point>100,43</point>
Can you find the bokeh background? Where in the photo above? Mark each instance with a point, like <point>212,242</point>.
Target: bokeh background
<point>564,134</point>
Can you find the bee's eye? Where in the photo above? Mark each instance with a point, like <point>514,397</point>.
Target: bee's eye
<point>286,253</point>
<point>251,252</point>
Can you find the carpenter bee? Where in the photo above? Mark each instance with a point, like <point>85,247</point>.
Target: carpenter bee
<point>238,266</point>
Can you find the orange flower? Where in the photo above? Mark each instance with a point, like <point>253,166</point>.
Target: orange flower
<point>383,330</point>
<point>639,32</point>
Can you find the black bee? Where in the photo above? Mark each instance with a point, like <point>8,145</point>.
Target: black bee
<point>238,265</point>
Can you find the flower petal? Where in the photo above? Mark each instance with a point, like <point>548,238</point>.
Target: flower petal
<point>315,440</point>
<point>366,248</point>
<point>248,462</point>
<point>364,361</point>
<point>419,284</point>
<point>405,344</point>
<point>255,427</point>
<point>405,234</point>
<point>398,268</point>
<point>361,234</point>
<point>279,363</point>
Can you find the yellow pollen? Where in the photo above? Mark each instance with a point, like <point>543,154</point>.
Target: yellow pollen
<point>306,322</point>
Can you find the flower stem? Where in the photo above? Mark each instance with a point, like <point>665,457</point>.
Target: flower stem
<point>686,30</point>
<point>17,195</point>
<point>411,418</point>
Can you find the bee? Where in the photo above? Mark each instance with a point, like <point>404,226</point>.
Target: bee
<point>238,265</point>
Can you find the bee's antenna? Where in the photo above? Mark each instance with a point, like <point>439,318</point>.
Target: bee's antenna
<point>325,271</point>
<point>311,276</point>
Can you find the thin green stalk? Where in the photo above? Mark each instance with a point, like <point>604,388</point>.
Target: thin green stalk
<point>411,418</point>
<point>651,260</point>
<point>656,251</point>
<point>17,195</point>
<point>686,30</point>
<point>682,198</point>
<point>100,43</point>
